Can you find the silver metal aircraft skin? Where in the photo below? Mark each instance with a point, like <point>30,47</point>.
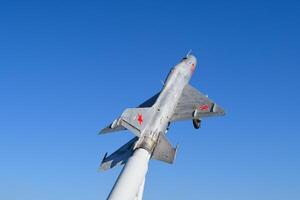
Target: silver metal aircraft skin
<point>177,100</point>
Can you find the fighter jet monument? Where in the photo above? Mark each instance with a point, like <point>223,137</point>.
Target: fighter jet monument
<point>149,122</point>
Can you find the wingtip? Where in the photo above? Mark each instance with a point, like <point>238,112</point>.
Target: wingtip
<point>102,131</point>
<point>104,157</point>
<point>218,109</point>
<point>175,155</point>
<point>103,168</point>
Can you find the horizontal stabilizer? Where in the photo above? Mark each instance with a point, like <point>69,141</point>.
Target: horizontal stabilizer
<point>164,150</point>
<point>119,157</point>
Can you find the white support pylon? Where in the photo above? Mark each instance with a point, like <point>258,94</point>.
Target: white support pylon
<point>139,195</point>
<point>130,183</point>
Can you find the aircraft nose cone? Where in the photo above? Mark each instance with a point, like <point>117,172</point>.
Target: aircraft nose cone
<point>192,58</point>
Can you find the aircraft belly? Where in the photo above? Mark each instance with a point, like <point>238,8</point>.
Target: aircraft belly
<point>166,107</point>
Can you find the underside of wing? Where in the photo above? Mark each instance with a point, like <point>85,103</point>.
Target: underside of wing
<point>135,119</point>
<point>194,105</point>
<point>113,127</point>
<point>116,125</point>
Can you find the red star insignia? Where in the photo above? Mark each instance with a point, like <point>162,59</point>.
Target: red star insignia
<point>140,119</point>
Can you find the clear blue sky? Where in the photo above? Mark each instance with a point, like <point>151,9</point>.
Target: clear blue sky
<point>67,68</point>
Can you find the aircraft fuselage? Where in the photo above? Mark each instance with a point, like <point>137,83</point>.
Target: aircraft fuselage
<point>165,105</point>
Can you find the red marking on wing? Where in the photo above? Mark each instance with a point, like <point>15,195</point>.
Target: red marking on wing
<point>140,119</point>
<point>203,107</point>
